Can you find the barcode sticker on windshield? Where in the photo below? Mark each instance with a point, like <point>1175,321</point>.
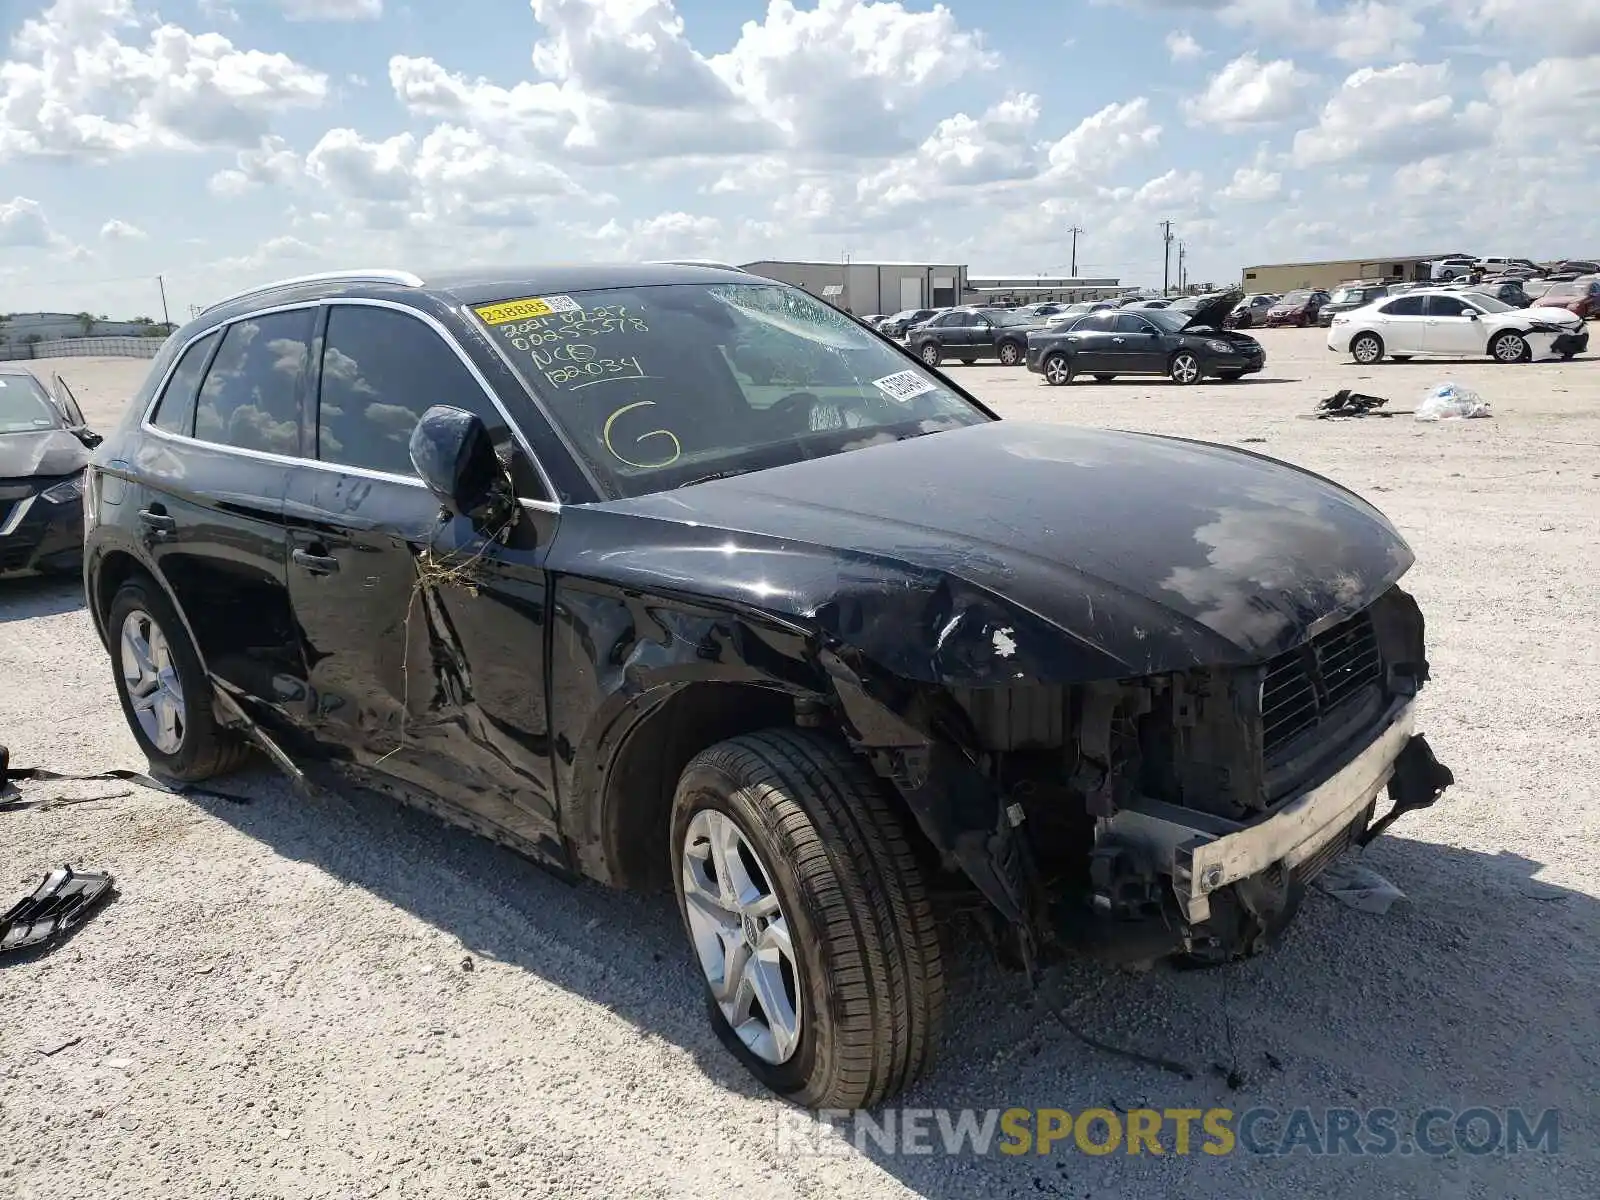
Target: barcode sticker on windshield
<point>903,385</point>
<point>522,310</point>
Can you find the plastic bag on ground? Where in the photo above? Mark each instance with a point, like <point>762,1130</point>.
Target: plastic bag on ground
<point>1451,402</point>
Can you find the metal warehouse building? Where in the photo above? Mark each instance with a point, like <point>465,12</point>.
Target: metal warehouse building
<point>1283,277</point>
<point>871,287</point>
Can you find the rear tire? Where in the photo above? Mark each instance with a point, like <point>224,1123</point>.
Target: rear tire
<point>169,691</point>
<point>930,354</point>
<point>1058,370</point>
<point>1010,354</point>
<point>865,977</point>
<point>1366,348</point>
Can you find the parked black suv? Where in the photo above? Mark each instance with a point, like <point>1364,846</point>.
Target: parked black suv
<point>535,549</point>
<point>968,335</point>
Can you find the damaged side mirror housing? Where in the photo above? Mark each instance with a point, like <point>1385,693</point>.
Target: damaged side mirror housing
<point>88,437</point>
<point>455,456</point>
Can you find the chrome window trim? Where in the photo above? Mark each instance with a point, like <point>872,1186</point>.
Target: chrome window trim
<point>145,426</point>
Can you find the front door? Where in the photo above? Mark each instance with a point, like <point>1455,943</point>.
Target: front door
<point>1452,327</point>
<point>1135,347</point>
<point>423,639</point>
<point>1090,339</point>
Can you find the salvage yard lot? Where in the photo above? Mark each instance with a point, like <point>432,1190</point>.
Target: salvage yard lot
<point>279,1003</point>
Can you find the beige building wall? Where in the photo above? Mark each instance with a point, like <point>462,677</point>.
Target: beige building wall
<point>1285,277</point>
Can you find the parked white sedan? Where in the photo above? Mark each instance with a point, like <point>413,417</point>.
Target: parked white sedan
<point>1455,324</point>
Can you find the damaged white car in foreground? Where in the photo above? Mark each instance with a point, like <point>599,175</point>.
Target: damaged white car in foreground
<point>1456,324</point>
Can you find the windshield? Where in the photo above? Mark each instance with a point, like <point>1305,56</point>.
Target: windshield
<point>1296,298</point>
<point>662,386</point>
<point>25,406</point>
<point>1488,303</point>
<point>1014,318</point>
<point>1166,318</point>
<point>1563,289</point>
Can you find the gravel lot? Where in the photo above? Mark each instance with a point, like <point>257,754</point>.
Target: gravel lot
<point>278,1004</point>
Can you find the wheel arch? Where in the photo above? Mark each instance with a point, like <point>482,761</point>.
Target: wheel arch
<point>112,568</point>
<point>654,740</point>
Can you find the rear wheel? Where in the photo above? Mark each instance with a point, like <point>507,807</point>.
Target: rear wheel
<point>930,354</point>
<point>1184,368</point>
<point>1010,354</point>
<point>809,918</point>
<point>165,694</point>
<point>1510,348</point>
<point>1366,348</point>
<point>1058,370</point>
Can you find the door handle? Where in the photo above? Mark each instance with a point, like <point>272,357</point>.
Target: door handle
<point>1118,341</point>
<point>317,564</point>
<point>158,523</point>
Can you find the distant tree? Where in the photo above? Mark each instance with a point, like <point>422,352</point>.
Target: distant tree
<point>85,322</point>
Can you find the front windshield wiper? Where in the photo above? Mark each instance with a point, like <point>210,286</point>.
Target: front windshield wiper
<point>727,474</point>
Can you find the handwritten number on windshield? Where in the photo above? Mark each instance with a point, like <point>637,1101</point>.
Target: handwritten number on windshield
<point>677,447</point>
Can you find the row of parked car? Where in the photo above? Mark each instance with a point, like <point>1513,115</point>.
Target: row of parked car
<point>1309,306</point>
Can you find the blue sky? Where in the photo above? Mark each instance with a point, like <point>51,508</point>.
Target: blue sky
<point>220,142</point>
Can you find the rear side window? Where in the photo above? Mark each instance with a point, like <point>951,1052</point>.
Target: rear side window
<point>1447,306</point>
<point>381,370</point>
<point>251,396</point>
<point>175,410</point>
<point>1405,306</point>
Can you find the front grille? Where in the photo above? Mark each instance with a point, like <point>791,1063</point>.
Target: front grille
<point>14,558</point>
<point>1323,856</point>
<point>1305,688</point>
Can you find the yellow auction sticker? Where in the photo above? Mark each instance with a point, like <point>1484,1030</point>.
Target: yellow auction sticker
<point>522,310</point>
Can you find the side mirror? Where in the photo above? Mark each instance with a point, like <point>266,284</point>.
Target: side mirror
<point>1472,314</point>
<point>454,454</point>
<point>88,437</point>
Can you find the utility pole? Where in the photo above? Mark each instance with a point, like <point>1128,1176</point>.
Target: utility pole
<point>1166,257</point>
<point>166,318</point>
<point>1074,231</point>
<point>1183,278</point>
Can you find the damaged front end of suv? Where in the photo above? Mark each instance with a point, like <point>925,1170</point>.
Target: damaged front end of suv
<point>1178,813</point>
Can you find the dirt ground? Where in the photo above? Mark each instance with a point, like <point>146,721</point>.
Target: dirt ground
<point>278,1002</point>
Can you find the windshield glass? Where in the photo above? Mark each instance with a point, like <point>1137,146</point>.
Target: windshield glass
<point>1166,318</point>
<point>1562,289</point>
<point>25,406</point>
<point>1488,303</point>
<point>662,386</point>
<point>1296,298</point>
<point>1014,318</point>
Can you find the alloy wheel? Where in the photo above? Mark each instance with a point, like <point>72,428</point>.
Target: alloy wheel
<point>741,936</point>
<point>1008,355</point>
<point>1057,370</point>
<point>1185,368</point>
<point>1510,348</point>
<point>1366,350</point>
<point>150,677</point>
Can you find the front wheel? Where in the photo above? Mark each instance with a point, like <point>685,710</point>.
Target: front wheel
<point>1366,349</point>
<point>1184,368</point>
<point>809,918</point>
<point>165,694</point>
<point>1058,370</point>
<point>1010,354</point>
<point>930,354</point>
<point>1510,348</point>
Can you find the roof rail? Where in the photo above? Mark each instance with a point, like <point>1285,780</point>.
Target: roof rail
<point>696,262</point>
<point>376,275</point>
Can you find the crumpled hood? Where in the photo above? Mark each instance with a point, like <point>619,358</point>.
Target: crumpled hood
<point>48,452</point>
<point>1012,550</point>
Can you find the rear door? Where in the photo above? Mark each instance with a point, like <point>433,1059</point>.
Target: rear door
<point>425,642</point>
<point>1090,343</point>
<point>1452,326</point>
<point>980,336</point>
<point>220,440</point>
<point>1402,325</point>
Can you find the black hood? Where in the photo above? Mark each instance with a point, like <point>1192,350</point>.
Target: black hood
<point>1011,550</point>
<point>48,452</point>
<point>1213,310</point>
